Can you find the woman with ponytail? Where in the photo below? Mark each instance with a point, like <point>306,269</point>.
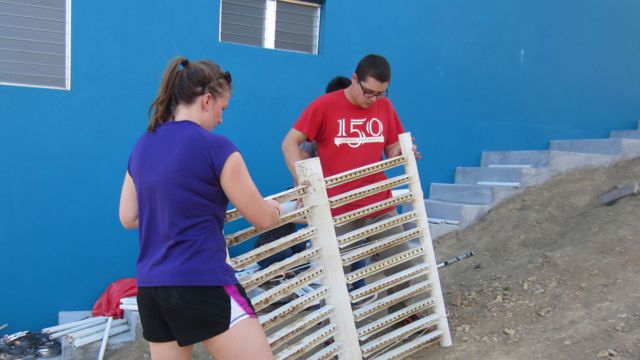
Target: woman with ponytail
<point>179,180</point>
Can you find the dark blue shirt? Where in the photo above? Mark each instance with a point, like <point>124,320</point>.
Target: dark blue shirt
<point>176,171</point>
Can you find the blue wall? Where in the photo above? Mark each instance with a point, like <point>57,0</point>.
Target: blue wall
<point>467,76</point>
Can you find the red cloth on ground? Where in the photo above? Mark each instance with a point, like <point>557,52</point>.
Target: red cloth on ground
<point>109,302</point>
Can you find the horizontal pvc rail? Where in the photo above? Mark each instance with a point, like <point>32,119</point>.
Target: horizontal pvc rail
<point>374,229</point>
<point>288,195</point>
<point>364,171</point>
<point>368,190</point>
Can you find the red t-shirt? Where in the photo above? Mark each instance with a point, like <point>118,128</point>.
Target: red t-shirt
<point>348,137</point>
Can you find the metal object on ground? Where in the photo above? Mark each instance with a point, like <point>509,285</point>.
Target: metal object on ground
<point>456,259</point>
<point>28,345</point>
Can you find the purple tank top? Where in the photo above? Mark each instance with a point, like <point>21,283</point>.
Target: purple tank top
<point>176,171</point>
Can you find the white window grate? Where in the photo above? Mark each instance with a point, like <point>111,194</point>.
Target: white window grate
<point>273,24</point>
<point>35,43</point>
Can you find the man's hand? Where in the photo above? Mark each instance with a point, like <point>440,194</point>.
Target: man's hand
<point>416,153</point>
<point>394,150</point>
<point>291,151</point>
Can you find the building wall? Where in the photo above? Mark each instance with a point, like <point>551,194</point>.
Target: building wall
<point>467,76</point>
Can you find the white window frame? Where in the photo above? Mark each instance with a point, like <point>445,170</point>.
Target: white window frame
<point>271,16</point>
<point>67,85</point>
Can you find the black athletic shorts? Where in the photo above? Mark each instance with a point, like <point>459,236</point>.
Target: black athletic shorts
<point>191,314</point>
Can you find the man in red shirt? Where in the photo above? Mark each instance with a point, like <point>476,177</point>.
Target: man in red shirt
<point>353,127</point>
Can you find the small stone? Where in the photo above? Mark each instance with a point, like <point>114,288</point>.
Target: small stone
<point>567,342</point>
<point>612,352</point>
<point>465,328</point>
<point>620,327</point>
<point>603,354</point>
<point>532,278</point>
<point>544,312</point>
<point>509,332</point>
<point>525,286</point>
<point>465,338</point>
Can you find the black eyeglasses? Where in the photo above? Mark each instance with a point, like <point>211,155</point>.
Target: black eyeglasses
<point>368,93</point>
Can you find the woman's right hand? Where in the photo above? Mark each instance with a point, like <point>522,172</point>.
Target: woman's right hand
<point>276,205</point>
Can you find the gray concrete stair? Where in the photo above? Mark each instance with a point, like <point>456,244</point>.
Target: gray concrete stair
<point>626,134</point>
<point>505,173</point>
<point>622,148</point>
<point>518,177</point>
<point>469,194</point>
<point>438,230</point>
<point>462,213</point>
<point>555,161</point>
<point>535,159</point>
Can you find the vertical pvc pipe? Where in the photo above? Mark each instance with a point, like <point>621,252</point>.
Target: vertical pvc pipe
<point>406,145</point>
<point>310,172</point>
<point>105,339</point>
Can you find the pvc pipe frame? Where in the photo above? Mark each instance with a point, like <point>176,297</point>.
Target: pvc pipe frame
<point>429,255</point>
<point>86,325</point>
<point>61,327</point>
<point>342,326</point>
<point>92,330</point>
<point>105,338</point>
<point>95,337</point>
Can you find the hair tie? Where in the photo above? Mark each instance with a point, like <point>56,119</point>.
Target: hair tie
<point>184,63</point>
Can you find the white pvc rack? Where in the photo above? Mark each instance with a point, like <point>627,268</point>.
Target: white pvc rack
<point>310,314</point>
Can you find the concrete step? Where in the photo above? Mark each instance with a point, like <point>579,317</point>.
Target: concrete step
<point>438,230</point>
<point>626,134</point>
<point>465,214</point>
<point>473,175</point>
<point>622,148</point>
<point>533,158</point>
<point>470,194</point>
<point>557,161</point>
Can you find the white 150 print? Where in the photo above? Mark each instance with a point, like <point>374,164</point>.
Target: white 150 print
<point>360,131</point>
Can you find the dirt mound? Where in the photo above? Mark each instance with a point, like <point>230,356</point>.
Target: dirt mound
<point>556,275</point>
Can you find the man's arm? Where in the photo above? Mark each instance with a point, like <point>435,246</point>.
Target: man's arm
<point>291,150</point>
<point>394,150</point>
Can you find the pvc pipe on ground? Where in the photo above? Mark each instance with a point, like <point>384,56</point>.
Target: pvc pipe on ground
<point>92,330</point>
<point>95,337</point>
<point>105,338</point>
<point>61,327</point>
<point>86,325</point>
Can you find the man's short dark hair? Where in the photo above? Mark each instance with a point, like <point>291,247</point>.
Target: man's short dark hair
<point>338,83</point>
<point>374,66</point>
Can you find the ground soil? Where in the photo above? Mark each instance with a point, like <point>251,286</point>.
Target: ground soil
<point>555,275</point>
